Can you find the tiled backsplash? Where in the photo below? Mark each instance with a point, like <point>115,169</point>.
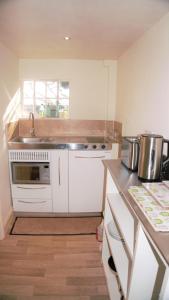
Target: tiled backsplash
<point>51,127</point>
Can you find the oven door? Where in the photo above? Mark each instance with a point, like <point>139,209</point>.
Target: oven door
<point>30,173</point>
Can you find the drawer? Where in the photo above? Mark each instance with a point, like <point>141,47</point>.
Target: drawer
<point>124,219</point>
<point>32,205</point>
<point>25,191</point>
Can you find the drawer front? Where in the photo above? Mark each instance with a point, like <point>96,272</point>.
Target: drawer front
<point>32,205</point>
<point>25,191</point>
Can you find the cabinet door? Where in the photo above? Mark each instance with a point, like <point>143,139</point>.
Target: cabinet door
<point>86,174</point>
<point>147,271</point>
<point>59,178</point>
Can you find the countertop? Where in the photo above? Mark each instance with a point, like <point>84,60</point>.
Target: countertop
<point>123,179</point>
<point>62,142</point>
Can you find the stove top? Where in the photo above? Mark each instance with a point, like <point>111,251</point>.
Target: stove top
<point>93,143</point>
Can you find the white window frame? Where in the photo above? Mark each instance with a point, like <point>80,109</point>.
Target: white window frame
<point>34,98</point>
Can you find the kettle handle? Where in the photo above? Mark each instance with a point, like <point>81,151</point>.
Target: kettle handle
<point>167,142</point>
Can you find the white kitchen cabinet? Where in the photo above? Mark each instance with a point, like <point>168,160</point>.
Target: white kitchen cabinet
<point>86,176</point>
<point>147,270</point>
<point>124,219</point>
<point>141,270</point>
<point>59,180</point>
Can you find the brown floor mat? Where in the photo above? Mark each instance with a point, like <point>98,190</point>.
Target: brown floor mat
<point>55,225</point>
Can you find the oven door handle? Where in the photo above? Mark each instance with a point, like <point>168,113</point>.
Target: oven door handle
<point>31,188</point>
<point>31,202</point>
<point>90,156</point>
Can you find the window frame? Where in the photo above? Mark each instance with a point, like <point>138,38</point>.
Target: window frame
<point>46,98</point>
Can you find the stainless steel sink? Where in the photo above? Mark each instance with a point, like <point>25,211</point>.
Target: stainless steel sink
<point>27,140</point>
<point>35,143</point>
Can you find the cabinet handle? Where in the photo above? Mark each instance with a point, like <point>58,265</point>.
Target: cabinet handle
<point>90,157</point>
<point>31,188</point>
<point>59,170</point>
<point>32,202</point>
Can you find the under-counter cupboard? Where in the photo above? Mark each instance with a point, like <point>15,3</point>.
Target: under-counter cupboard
<point>74,180</point>
<point>141,255</point>
<point>86,176</point>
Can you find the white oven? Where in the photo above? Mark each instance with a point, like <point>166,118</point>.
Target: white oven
<point>29,167</point>
<point>30,172</point>
<point>30,175</point>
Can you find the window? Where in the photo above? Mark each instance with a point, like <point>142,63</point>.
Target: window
<point>46,98</point>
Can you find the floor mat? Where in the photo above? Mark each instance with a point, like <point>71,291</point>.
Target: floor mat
<point>55,225</point>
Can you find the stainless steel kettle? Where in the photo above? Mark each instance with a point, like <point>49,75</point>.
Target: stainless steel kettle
<point>151,156</point>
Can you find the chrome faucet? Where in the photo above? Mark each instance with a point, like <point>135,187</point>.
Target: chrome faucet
<point>32,129</point>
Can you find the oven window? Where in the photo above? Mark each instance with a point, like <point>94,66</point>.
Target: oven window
<point>35,173</point>
<point>26,173</point>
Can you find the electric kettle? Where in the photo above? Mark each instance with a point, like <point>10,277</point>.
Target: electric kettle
<point>151,158</point>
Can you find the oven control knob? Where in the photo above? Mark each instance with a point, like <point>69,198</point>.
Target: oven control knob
<point>94,146</point>
<point>86,146</point>
<point>103,146</point>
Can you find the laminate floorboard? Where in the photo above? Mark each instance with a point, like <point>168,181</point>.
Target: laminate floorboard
<point>51,268</point>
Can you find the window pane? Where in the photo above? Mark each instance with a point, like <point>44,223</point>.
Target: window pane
<point>63,89</point>
<point>47,98</point>
<point>52,111</point>
<point>64,109</point>
<point>28,101</point>
<point>52,87</point>
<point>40,87</point>
<point>64,102</point>
<point>46,108</point>
<point>40,105</point>
<point>27,109</point>
<point>28,87</point>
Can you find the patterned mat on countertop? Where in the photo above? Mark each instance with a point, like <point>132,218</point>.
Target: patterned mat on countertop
<point>157,215</point>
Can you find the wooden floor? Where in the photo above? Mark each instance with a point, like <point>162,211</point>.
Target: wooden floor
<point>51,268</point>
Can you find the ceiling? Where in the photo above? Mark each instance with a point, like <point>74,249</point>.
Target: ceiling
<point>99,29</point>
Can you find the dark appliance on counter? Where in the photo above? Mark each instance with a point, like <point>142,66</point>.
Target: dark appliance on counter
<point>130,152</point>
<point>153,165</point>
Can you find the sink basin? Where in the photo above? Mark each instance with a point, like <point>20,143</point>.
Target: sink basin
<point>35,143</point>
<point>27,140</point>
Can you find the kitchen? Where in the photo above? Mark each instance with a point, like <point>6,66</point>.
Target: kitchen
<point>138,76</point>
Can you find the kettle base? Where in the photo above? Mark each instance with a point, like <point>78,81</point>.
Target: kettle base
<point>149,180</point>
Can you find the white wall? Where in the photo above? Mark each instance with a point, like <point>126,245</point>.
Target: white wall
<point>8,88</point>
<point>92,83</point>
<point>143,83</point>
